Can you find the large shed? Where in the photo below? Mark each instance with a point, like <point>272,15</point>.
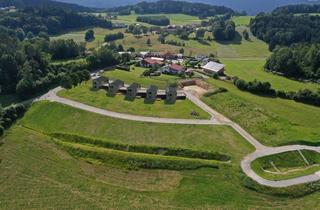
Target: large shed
<point>213,68</point>
<point>171,95</point>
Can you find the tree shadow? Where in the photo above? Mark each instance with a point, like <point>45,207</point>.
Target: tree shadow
<point>203,42</point>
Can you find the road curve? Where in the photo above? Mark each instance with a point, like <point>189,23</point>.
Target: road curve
<point>246,166</point>
<point>216,119</point>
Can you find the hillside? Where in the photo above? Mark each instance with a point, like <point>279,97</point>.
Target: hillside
<point>249,6</point>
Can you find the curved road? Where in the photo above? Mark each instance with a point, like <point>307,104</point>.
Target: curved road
<point>216,119</point>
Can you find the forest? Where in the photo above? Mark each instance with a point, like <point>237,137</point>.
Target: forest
<point>51,20</point>
<point>154,20</point>
<point>298,61</point>
<point>166,6</point>
<point>298,9</point>
<point>286,29</point>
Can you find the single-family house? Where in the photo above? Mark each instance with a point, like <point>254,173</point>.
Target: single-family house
<point>151,93</point>
<point>150,63</point>
<point>132,90</point>
<point>171,95</point>
<point>115,86</point>
<point>173,69</point>
<point>213,68</point>
<point>98,81</point>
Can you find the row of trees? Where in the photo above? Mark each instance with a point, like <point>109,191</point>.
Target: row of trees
<point>169,6</point>
<point>104,56</point>
<point>154,20</point>
<point>286,29</point>
<point>298,9</point>
<point>223,30</point>
<point>264,88</point>
<point>113,37</point>
<point>9,115</point>
<point>299,61</point>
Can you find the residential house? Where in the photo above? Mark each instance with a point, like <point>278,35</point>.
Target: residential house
<point>173,69</point>
<point>132,90</point>
<point>115,86</point>
<point>151,93</point>
<point>171,95</point>
<point>213,68</point>
<point>98,81</point>
<point>150,63</point>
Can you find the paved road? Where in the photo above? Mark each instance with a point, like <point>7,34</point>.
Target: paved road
<point>216,119</point>
<point>246,166</point>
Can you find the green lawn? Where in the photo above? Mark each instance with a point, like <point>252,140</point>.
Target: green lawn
<point>78,36</point>
<point>242,20</point>
<point>287,165</point>
<point>273,121</point>
<point>253,69</point>
<point>65,119</point>
<point>135,76</point>
<point>36,174</point>
<point>181,109</point>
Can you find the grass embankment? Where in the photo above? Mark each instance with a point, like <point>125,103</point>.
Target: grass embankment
<point>35,173</point>
<point>287,165</point>
<point>181,109</point>
<point>273,121</point>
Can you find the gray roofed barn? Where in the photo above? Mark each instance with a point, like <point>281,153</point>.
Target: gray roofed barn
<point>171,95</point>
<point>152,93</point>
<point>213,68</point>
<point>132,90</point>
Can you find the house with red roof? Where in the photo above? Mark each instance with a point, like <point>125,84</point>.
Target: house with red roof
<point>149,63</point>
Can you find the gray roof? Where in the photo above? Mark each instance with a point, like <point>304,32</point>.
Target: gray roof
<point>134,86</point>
<point>153,88</point>
<point>100,78</point>
<point>117,82</point>
<point>171,89</point>
<point>213,66</point>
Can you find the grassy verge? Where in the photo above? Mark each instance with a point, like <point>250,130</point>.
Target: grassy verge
<point>287,165</point>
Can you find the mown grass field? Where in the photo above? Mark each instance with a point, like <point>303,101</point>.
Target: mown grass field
<point>181,109</point>
<point>287,165</point>
<point>253,69</point>
<point>242,20</point>
<point>78,36</point>
<point>273,121</point>
<point>36,173</point>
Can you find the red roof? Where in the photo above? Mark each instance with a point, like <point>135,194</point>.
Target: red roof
<point>151,61</point>
<point>176,67</point>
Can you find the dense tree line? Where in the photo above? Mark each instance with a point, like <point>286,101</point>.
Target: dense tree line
<point>51,20</point>
<point>298,9</point>
<point>286,29</point>
<point>223,30</point>
<point>168,6</point>
<point>65,49</point>
<point>104,56</point>
<point>264,88</point>
<point>43,3</point>
<point>154,20</point>
<point>9,115</point>
<point>298,61</point>
<point>113,37</point>
<point>137,29</point>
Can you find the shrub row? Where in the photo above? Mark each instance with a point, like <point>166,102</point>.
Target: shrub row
<point>175,43</point>
<point>9,115</point>
<point>142,148</point>
<point>264,88</point>
<point>123,67</point>
<point>215,91</point>
<point>113,37</point>
<point>135,160</point>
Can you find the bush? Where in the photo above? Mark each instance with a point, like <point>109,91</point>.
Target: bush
<point>123,67</point>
